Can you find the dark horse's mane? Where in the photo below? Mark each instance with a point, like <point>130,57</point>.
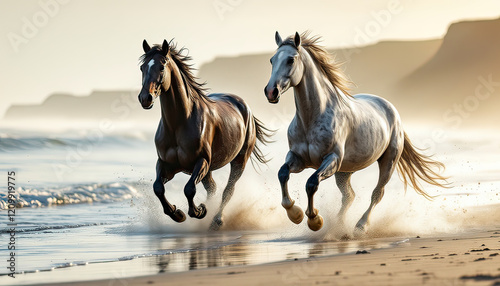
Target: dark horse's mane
<point>195,89</point>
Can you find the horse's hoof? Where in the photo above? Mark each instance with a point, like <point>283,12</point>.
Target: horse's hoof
<point>295,214</point>
<point>199,212</point>
<point>178,216</point>
<point>202,211</point>
<point>315,223</point>
<point>216,224</point>
<point>359,230</point>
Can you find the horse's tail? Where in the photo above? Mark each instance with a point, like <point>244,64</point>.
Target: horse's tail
<point>414,165</point>
<point>263,136</point>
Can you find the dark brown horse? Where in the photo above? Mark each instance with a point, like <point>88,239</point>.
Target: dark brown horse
<point>197,133</point>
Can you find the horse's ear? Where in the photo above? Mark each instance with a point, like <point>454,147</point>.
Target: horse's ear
<point>165,47</point>
<point>278,39</point>
<point>296,40</point>
<point>146,46</point>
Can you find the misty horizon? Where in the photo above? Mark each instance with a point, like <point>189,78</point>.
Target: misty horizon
<point>410,74</point>
<point>68,53</point>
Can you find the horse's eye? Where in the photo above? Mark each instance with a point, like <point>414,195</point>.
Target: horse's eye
<point>290,61</point>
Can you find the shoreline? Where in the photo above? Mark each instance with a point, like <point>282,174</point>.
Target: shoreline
<point>468,258</point>
<point>244,252</point>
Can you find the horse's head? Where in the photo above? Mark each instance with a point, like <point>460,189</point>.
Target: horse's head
<point>287,69</point>
<point>155,72</point>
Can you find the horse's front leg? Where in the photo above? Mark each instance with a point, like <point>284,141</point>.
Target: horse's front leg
<point>293,164</point>
<point>327,168</point>
<point>200,170</point>
<point>163,175</point>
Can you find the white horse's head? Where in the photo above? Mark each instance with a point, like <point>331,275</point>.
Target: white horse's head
<point>288,67</point>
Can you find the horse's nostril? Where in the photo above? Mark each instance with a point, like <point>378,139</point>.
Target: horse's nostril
<point>265,89</point>
<point>275,92</point>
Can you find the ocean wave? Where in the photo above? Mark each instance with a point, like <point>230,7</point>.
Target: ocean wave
<point>77,194</point>
<point>27,143</point>
<point>46,228</point>
<point>15,142</point>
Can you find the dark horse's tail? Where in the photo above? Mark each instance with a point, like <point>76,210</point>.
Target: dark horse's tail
<point>414,164</point>
<point>263,134</point>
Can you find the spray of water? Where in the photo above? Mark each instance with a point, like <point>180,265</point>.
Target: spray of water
<point>256,202</point>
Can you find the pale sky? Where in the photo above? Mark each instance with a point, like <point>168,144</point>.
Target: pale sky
<point>76,46</point>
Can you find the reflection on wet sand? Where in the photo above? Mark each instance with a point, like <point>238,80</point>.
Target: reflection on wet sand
<point>190,253</point>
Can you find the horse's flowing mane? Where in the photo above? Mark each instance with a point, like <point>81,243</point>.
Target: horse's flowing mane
<point>195,89</point>
<point>327,64</point>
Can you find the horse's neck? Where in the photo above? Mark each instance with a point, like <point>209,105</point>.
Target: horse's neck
<point>315,95</point>
<point>176,105</point>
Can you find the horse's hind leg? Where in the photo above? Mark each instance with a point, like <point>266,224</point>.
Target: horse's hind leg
<point>387,164</point>
<point>200,170</point>
<point>163,175</point>
<point>237,167</point>
<point>343,180</point>
<point>209,184</point>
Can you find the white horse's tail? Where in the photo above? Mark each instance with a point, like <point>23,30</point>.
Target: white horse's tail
<point>413,165</point>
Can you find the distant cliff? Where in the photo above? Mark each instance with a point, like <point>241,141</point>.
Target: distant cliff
<point>441,79</point>
<point>461,82</point>
<point>454,81</point>
<point>115,105</point>
<point>373,69</point>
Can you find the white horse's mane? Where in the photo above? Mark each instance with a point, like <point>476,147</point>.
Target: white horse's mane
<point>324,60</point>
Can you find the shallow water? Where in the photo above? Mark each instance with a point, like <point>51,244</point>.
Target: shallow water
<point>86,208</point>
<point>97,240</point>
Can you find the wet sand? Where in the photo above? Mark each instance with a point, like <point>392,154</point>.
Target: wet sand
<point>468,258</point>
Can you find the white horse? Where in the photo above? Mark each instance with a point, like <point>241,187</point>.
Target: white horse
<point>336,133</point>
